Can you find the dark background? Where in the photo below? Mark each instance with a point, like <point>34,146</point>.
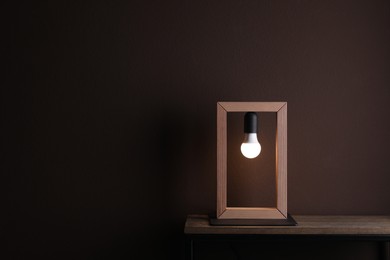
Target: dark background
<point>109,117</point>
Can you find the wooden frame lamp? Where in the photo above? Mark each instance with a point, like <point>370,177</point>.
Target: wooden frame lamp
<point>252,215</point>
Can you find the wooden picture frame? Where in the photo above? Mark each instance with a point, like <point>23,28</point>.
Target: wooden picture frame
<point>280,211</point>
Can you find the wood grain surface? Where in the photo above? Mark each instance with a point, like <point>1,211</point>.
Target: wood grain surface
<point>307,225</point>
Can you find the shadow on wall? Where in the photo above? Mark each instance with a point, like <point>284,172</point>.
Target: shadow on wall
<point>176,145</point>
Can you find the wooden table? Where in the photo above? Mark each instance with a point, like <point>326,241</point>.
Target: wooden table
<point>363,228</point>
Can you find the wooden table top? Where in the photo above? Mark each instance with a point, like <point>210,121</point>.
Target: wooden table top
<point>307,225</point>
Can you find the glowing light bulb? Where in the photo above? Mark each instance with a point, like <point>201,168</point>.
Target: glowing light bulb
<point>250,147</point>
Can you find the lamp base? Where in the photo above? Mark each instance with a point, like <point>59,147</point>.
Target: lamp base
<point>289,221</point>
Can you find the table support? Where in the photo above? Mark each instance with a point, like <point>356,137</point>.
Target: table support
<point>386,250</point>
<point>189,248</point>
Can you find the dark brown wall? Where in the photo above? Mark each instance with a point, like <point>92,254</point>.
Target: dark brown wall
<point>109,115</point>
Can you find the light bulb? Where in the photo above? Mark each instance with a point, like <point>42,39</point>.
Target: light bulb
<point>250,147</point>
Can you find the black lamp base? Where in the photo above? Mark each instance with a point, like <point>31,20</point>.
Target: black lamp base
<point>289,221</point>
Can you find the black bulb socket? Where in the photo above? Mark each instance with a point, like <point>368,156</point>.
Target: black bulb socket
<point>250,122</point>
